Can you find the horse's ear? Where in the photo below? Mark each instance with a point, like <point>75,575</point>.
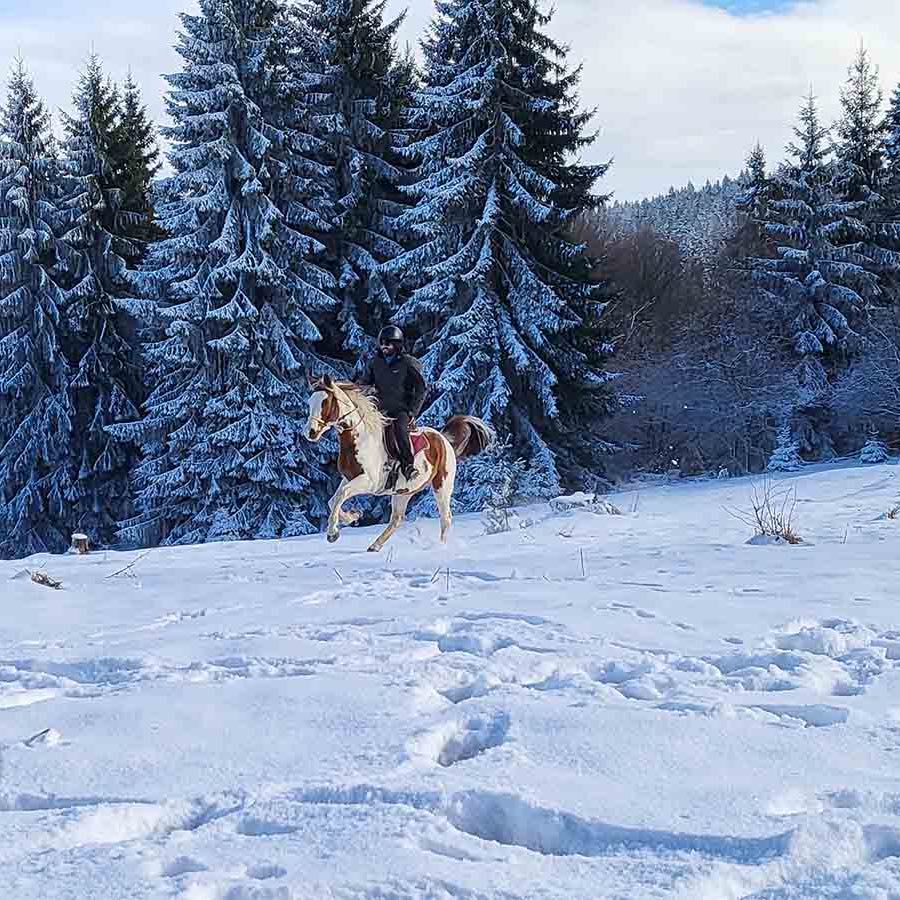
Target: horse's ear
<point>326,380</point>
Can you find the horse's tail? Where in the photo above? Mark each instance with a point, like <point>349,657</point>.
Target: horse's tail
<point>468,436</point>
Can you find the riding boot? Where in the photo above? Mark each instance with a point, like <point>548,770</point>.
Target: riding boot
<point>393,475</point>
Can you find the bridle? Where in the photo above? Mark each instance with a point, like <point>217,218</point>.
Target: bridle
<point>338,424</point>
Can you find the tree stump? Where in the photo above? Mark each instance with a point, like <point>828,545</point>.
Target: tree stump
<point>80,544</point>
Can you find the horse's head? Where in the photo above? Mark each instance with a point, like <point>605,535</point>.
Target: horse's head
<point>324,408</point>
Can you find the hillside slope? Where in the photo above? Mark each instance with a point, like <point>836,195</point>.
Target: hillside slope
<point>685,716</point>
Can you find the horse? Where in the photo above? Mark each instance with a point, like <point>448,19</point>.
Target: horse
<point>365,463</point>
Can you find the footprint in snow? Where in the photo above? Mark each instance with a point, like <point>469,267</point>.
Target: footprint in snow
<point>460,740</point>
<point>183,865</point>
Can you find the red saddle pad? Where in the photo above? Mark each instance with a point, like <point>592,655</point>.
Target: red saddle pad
<point>419,441</point>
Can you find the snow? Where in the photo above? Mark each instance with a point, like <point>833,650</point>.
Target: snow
<point>693,717</point>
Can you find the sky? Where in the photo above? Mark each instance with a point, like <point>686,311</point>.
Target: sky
<point>682,88</point>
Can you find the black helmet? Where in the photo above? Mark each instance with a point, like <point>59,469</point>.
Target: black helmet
<point>390,334</point>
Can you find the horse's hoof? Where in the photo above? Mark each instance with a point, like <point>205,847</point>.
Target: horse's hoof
<point>374,549</point>
<point>333,537</point>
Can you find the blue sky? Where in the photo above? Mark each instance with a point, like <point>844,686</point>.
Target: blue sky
<point>682,88</point>
<point>749,7</point>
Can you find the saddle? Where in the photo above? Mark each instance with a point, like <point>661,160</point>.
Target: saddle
<point>417,439</point>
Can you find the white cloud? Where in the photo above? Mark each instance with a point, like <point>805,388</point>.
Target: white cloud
<point>682,89</point>
<point>128,36</point>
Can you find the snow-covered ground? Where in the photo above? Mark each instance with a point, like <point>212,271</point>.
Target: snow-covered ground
<point>692,717</point>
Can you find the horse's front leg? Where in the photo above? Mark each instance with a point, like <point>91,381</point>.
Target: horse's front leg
<point>349,489</point>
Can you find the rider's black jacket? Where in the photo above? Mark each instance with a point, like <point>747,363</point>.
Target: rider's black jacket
<point>399,383</point>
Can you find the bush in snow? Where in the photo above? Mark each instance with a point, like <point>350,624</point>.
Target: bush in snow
<point>874,450</point>
<point>771,514</point>
<point>506,484</point>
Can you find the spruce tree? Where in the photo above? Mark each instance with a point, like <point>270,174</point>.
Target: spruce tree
<point>821,279</point>
<point>754,198</point>
<point>860,174</point>
<point>889,229</point>
<point>859,130</point>
<point>891,129</point>
<point>874,451</point>
<point>98,299</point>
<point>505,292</point>
<point>239,292</point>
<point>36,416</point>
<point>753,205</point>
<point>361,86</point>
<point>137,161</point>
<point>786,455</point>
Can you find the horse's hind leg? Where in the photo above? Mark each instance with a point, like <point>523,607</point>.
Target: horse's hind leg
<point>399,503</point>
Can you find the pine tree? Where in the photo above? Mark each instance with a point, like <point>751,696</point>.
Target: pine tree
<point>136,161</point>
<point>820,280</point>
<point>889,229</point>
<point>875,451</point>
<point>505,291</point>
<point>859,175</point>
<point>860,129</point>
<point>786,455</point>
<point>106,379</point>
<point>240,289</point>
<point>891,129</point>
<point>361,87</point>
<point>36,416</point>
<point>753,204</point>
<point>754,198</point>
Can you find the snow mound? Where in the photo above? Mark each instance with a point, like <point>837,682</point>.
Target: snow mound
<point>580,500</point>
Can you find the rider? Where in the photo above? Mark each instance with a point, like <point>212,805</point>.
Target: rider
<point>398,381</point>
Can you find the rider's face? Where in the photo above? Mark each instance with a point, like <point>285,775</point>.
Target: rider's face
<point>388,348</point>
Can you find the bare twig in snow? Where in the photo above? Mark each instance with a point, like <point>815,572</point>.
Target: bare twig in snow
<point>36,738</point>
<point>129,567</point>
<point>44,579</point>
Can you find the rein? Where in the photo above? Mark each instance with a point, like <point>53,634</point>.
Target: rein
<point>346,415</point>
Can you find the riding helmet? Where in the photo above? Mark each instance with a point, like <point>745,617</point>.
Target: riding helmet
<point>390,334</point>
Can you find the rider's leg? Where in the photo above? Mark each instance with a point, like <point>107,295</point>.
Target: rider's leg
<point>404,448</point>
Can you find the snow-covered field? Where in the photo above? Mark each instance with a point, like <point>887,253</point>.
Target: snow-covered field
<point>692,717</point>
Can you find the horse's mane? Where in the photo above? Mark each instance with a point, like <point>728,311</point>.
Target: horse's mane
<point>365,401</point>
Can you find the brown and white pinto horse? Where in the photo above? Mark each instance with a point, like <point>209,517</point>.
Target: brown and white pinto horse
<point>365,464</point>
